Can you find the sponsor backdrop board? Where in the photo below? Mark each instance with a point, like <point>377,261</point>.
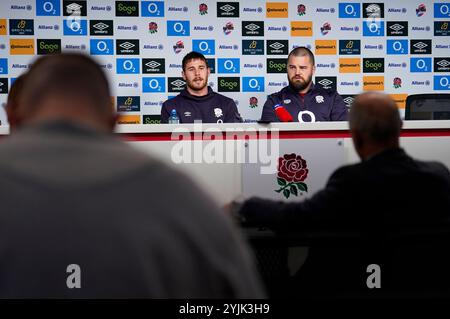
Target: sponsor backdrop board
<point>394,46</point>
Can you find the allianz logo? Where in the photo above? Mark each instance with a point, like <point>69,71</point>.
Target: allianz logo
<point>420,83</point>
<point>283,28</point>
<point>127,28</point>
<point>344,83</point>
<point>150,103</point>
<point>203,28</point>
<point>277,84</point>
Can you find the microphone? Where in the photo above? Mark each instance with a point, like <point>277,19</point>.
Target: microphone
<point>282,114</point>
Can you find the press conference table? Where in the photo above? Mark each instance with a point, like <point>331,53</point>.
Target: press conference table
<point>324,145</point>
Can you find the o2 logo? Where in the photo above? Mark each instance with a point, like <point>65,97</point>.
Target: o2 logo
<point>128,66</point>
<point>228,65</point>
<point>75,27</point>
<point>152,8</point>
<point>206,47</point>
<point>252,84</point>
<point>48,8</point>
<point>420,65</point>
<point>102,47</point>
<point>441,82</point>
<point>397,46</point>
<point>153,85</point>
<point>373,28</point>
<point>442,10</point>
<point>178,28</point>
<point>349,10</point>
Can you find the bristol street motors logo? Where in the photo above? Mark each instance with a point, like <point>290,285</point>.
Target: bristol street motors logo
<point>228,28</point>
<point>325,29</point>
<point>421,9</point>
<point>178,47</point>
<point>292,171</point>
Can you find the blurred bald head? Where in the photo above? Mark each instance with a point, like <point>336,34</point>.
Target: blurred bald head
<point>375,123</point>
<point>69,87</point>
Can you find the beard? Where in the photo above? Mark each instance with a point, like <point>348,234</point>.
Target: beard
<point>299,84</point>
<point>197,84</point>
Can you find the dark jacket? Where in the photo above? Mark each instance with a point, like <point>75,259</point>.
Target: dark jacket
<point>136,228</point>
<point>211,108</point>
<point>326,105</point>
<point>380,198</point>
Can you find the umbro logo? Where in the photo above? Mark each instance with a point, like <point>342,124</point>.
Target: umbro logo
<point>228,9</point>
<point>74,8</point>
<point>420,45</point>
<point>325,82</point>
<point>101,26</point>
<point>397,27</point>
<point>252,27</point>
<point>127,45</point>
<point>153,64</point>
<point>276,46</point>
<point>178,83</point>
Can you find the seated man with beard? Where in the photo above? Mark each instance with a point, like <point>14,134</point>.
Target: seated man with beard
<point>198,101</point>
<point>303,101</point>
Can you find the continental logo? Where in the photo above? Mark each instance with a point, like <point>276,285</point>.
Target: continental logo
<point>277,10</point>
<point>400,100</point>
<point>2,26</point>
<point>350,65</point>
<point>373,83</point>
<point>301,28</point>
<point>326,47</point>
<point>21,46</point>
<point>129,119</point>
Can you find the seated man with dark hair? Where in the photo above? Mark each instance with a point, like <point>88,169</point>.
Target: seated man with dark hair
<point>198,101</point>
<point>85,215</point>
<point>388,193</point>
<point>302,100</point>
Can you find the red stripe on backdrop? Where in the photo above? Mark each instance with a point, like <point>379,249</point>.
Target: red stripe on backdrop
<point>141,137</point>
